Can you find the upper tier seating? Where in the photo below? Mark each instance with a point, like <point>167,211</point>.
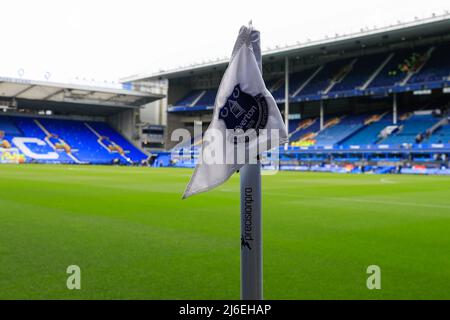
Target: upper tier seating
<point>198,98</point>
<point>393,72</point>
<point>416,66</point>
<point>436,68</point>
<point>296,80</point>
<point>207,99</point>
<point>323,79</point>
<point>189,98</point>
<point>274,84</point>
<point>360,73</point>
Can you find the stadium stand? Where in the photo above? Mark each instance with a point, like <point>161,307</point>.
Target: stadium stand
<point>296,81</point>
<point>349,130</point>
<point>324,77</point>
<point>363,68</point>
<point>341,130</point>
<point>190,98</point>
<point>367,135</point>
<point>8,127</point>
<point>31,128</point>
<point>441,135</point>
<point>437,67</point>
<point>68,141</point>
<point>103,129</point>
<point>375,73</point>
<point>363,130</point>
<point>410,130</point>
<point>382,97</point>
<point>397,68</point>
<point>207,98</point>
<point>303,132</point>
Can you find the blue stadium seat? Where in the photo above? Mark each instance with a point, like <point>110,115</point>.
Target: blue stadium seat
<point>368,134</point>
<point>363,68</point>
<point>198,98</point>
<point>81,139</point>
<point>437,67</point>
<point>391,74</point>
<point>410,129</point>
<point>188,99</point>
<point>105,129</point>
<point>323,79</point>
<point>8,127</point>
<point>30,129</point>
<point>295,81</point>
<point>335,134</point>
<point>314,127</point>
<point>442,135</point>
<point>207,99</point>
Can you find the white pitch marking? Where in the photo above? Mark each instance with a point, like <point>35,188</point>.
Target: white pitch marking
<point>387,181</point>
<point>410,204</point>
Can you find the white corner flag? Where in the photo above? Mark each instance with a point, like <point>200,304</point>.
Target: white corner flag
<point>246,120</point>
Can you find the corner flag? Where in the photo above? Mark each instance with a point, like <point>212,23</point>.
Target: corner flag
<point>246,120</point>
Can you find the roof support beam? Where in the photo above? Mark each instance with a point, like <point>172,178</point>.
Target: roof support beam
<point>286,94</point>
<point>23,91</point>
<point>53,94</point>
<point>394,108</point>
<point>322,115</point>
<point>112,97</point>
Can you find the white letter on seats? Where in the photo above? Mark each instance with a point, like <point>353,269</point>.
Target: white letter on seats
<point>21,144</point>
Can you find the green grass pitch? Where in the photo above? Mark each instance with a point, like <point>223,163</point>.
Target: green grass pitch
<point>133,236</point>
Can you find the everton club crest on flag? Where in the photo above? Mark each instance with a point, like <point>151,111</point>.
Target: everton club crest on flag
<point>246,120</point>
<point>243,111</point>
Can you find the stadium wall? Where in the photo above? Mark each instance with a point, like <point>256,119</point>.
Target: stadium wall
<point>125,123</point>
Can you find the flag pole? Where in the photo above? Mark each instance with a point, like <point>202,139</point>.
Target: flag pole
<point>251,233</point>
<point>251,218</point>
<point>260,113</point>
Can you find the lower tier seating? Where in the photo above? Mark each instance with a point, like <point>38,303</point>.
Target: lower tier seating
<point>410,129</point>
<point>67,141</point>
